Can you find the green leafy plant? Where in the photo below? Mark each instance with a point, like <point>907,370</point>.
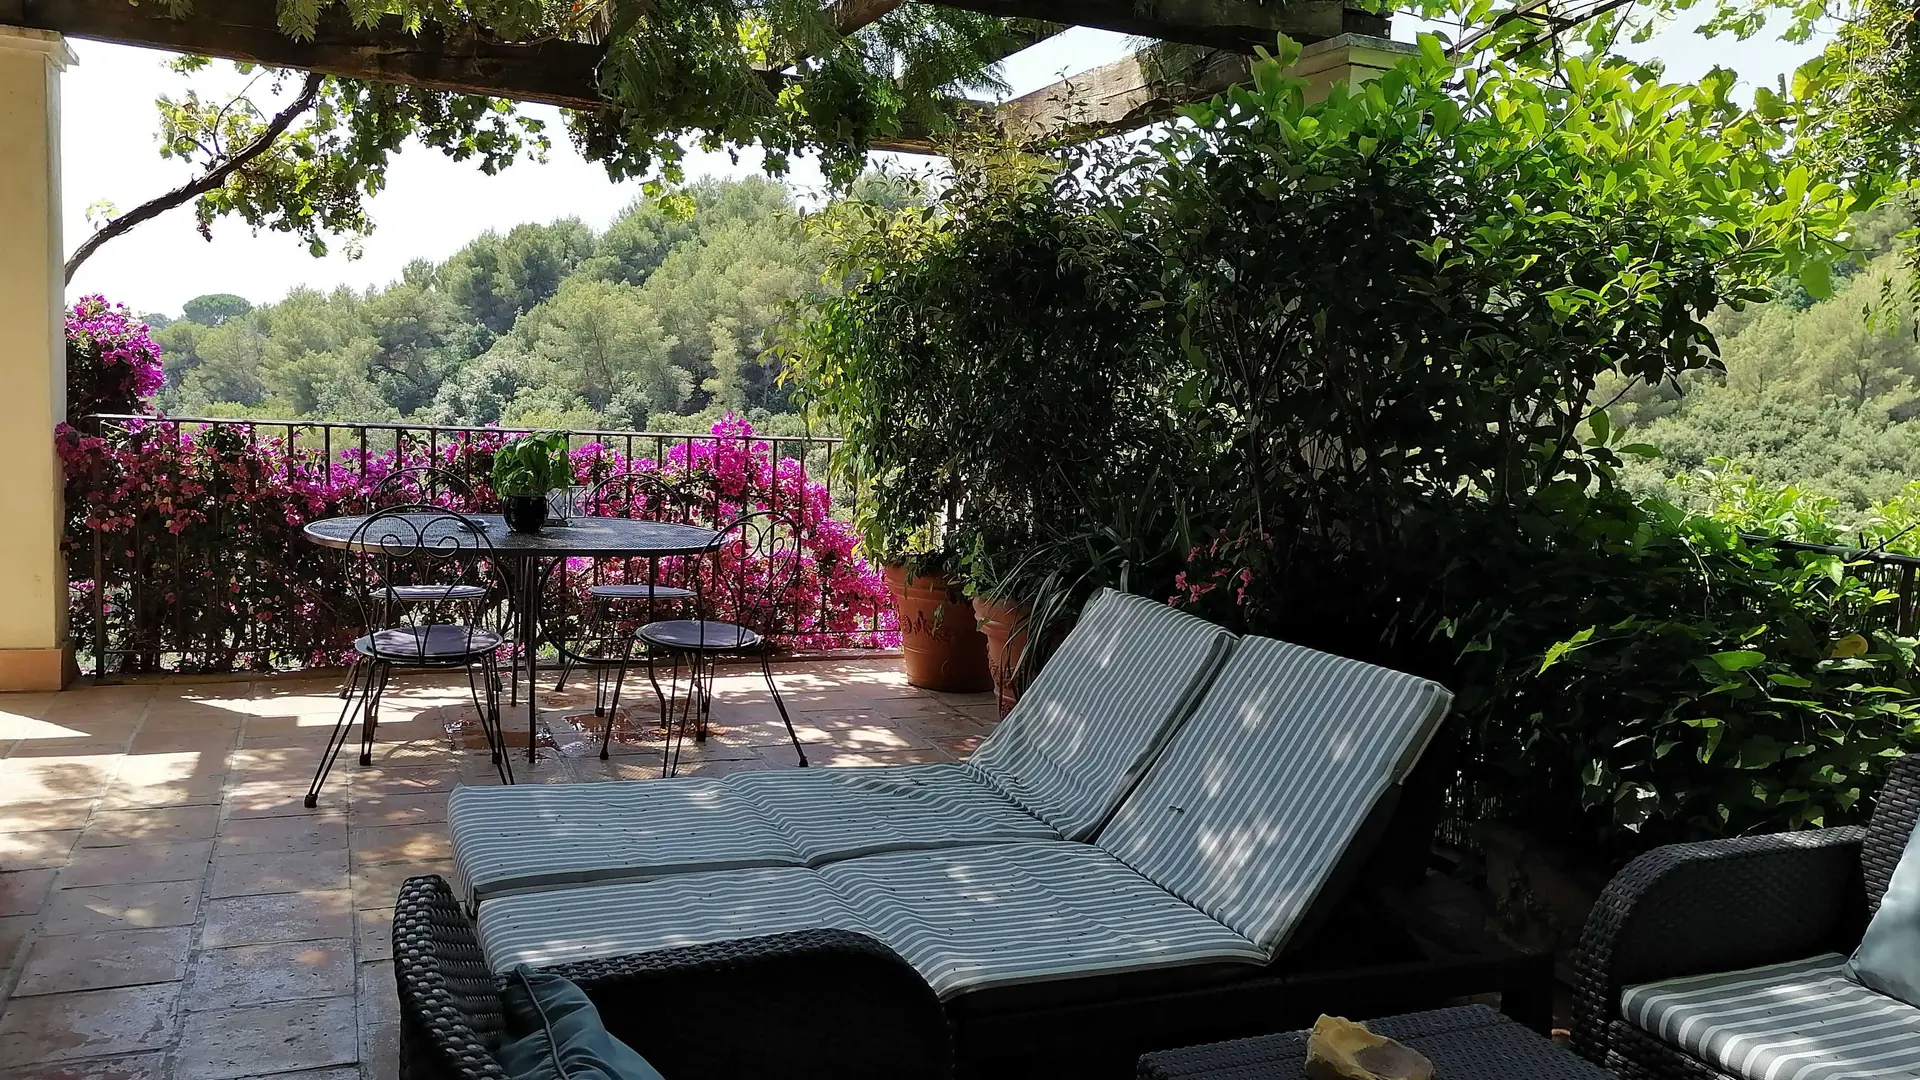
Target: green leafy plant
<point>532,465</point>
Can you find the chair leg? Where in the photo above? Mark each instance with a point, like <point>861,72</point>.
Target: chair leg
<point>676,732</point>
<point>706,698</point>
<point>353,676</point>
<point>766,668</point>
<point>613,707</point>
<point>474,678</point>
<point>336,740</point>
<point>655,680</point>
<point>370,718</point>
<point>503,761</point>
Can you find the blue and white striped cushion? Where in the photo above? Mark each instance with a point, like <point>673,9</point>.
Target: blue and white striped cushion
<point>1803,1020</point>
<point>1101,708</point>
<point>594,921</point>
<point>830,814</point>
<point>970,919</point>
<point>519,839</point>
<point>966,919</point>
<point>1258,797</point>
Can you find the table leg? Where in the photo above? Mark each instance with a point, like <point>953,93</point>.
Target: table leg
<point>529,646</point>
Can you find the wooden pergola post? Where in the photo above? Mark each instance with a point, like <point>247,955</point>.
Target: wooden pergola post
<point>34,651</point>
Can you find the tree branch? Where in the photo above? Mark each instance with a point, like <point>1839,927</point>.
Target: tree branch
<point>212,181</point>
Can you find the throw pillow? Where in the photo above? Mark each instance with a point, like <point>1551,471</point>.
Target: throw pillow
<point>1888,959</point>
<point>555,1033</point>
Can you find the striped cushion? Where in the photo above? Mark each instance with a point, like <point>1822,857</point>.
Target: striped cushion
<point>1251,808</point>
<point>642,916</point>
<point>517,839</point>
<point>1803,1020</point>
<point>994,915</point>
<point>1007,914</point>
<point>1101,708</point>
<point>831,814</point>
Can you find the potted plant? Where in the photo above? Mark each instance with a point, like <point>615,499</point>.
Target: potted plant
<point>524,470</point>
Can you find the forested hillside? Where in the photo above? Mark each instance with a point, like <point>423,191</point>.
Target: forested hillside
<point>658,322</point>
<point>1821,394</point>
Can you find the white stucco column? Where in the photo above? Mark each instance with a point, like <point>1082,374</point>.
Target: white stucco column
<point>1349,58</point>
<point>34,652</point>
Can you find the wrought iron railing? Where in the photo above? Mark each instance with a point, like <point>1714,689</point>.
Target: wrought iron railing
<point>185,553</point>
<point>1891,570</point>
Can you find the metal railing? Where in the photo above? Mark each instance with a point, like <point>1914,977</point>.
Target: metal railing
<point>185,551</point>
<point>1890,570</point>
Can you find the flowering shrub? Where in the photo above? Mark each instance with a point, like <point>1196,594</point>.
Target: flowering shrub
<point>113,365</point>
<point>205,568</point>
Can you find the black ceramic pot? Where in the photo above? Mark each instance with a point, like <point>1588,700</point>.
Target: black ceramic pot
<point>524,513</point>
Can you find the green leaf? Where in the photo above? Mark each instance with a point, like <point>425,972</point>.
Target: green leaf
<point>1739,659</point>
<point>1817,278</point>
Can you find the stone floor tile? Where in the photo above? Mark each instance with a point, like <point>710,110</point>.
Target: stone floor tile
<point>137,1067</point>
<point>263,836</point>
<point>277,798</point>
<point>122,907</point>
<point>278,872</point>
<point>369,811</point>
<point>268,1040</point>
<point>377,886</point>
<point>168,824</point>
<point>411,780</point>
<point>400,843</point>
<point>263,974</point>
<point>159,770</point>
<point>373,933</point>
<point>947,725</point>
<point>39,779</point>
<point>14,931</point>
<point>258,920</point>
<point>99,960</point>
<point>53,814</point>
<point>960,747</point>
<point>170,740</point>
<point>36,850</point>
<point>193,791</point>
<point>141,863</point>
<point>840,756</point>
<point>22,892</point>
<point>90,744</point>
<point>92,1023</point>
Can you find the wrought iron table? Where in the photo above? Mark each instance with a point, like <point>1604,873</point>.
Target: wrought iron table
<point>1471,1042</point>
<point>579,537</point>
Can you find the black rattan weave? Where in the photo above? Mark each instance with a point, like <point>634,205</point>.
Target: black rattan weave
<point>1723,905</point>
<point>826,1004</point>
<point>1470,1041</point>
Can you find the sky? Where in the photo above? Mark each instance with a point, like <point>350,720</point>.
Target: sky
<point>433,206</point>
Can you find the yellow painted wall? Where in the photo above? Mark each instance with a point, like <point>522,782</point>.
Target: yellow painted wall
<point>32,361</point>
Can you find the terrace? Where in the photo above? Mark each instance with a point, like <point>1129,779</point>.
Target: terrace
<point>169,909</point>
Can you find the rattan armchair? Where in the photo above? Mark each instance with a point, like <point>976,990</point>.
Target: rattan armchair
<point>1727,905</point>
<point>819,1003</point>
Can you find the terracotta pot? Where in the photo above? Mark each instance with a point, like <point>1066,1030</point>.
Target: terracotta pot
<point>1005,626</point>
<point>939,636</point>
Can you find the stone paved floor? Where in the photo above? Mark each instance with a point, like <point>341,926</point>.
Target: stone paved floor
<point>169,909</point>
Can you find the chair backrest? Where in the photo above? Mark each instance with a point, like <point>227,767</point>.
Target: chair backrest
<point>645,495</point>
<point>755,575</point>
<point>1895,811</point>
<point>451,1017</point>
<point>446,566</point>
<point>1258,799</point>
<point>1083,734</point>
<point>421,485</point>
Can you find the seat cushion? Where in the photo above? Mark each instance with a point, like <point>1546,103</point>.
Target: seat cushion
<point>979,918</point>
<point>833,814</point>
<point>437,643</point>
<point>639,592</point>
<point>1257,799</point>
<point>526,838</point>
<point>699,634</point>
<point>1803,1020</point>
<point>431,594</point>
<point>1102,707</point>
<point>531,837</point>
<point>595,921</point>
<point>555,1033</point>
<point>966,919</point>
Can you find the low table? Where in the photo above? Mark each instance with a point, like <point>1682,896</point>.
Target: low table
<point>1471,1042</point>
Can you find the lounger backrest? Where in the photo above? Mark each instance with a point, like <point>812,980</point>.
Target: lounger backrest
<point>1254,803</point>
<point>1101,708</point>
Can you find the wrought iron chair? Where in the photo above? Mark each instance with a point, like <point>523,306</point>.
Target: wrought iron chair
<point>766,543</point>
<point>421,485</point>
<point>607,638</point>
<point>453,623</point>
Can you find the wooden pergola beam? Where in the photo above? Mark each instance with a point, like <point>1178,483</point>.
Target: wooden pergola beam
<point>1122,95</point>
<point>1235,25</point>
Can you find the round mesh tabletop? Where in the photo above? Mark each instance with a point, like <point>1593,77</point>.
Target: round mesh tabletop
<point>579,536</point>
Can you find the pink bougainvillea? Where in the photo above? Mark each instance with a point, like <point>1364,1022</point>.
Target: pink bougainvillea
<point>197,528</point>
<point>113,365</point>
